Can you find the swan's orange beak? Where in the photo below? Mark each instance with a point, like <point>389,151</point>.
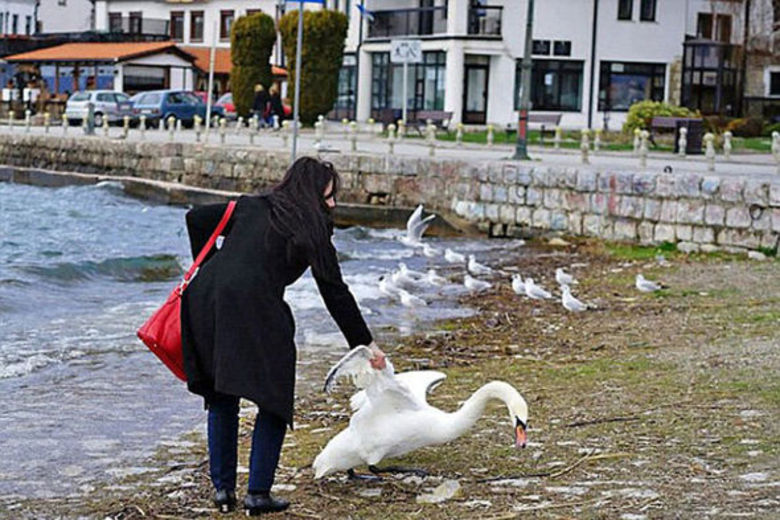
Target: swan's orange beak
<point>520,436</point>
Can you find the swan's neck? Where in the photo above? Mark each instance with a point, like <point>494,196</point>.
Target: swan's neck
<point>468,414</point>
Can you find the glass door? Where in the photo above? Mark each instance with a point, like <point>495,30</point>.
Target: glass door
<point>475,94</point>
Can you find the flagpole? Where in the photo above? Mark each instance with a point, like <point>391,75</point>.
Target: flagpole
<point>296,107</point>
<point>210,86</point>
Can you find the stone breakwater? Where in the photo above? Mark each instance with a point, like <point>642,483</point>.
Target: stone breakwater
<point>502,198</point>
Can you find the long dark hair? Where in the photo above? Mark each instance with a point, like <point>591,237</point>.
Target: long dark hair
<point>299,211</point>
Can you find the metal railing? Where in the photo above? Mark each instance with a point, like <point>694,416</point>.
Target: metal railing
<point>485,20</point>
<point>134,25</point>
<point>421,21</point>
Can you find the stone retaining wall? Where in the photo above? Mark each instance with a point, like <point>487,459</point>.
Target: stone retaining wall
<point>502,198</point>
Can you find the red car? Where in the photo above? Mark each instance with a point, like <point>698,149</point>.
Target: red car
<point>226,102</point>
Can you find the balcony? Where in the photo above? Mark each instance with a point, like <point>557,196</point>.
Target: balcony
<point>423,21</point>
<point>485,20</point>
<point>139,27</point>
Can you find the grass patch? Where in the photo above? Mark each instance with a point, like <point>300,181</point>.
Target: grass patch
<point>622,251</point>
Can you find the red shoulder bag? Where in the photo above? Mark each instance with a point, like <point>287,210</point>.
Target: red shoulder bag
<point>162,331</point>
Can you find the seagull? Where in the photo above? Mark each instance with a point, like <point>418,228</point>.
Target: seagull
<point>473,284</point>
<point>570,303</point>
<point>535,292</point>
<point>564,278</point>
<point>434,279</point>
<point>453,257</point>
<point>416,226</point>
<point>406,277</point>
<point>478,269</point>
<point>410,300</point>
<point>517,284</point>
<point>430,251</point>
<point>387,287</point>
<point>645,285</point>
<point>392,417</point>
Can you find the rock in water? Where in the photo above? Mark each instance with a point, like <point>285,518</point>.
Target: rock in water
<point>443,492</point>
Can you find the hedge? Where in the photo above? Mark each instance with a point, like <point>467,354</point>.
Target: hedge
<point>641,113</point>
<point>324,34</point>
<point>252,40</point>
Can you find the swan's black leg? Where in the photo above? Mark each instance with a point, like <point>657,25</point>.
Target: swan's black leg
<point>351,475</point>
<point>395,469</point>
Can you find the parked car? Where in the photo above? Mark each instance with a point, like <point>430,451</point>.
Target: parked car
<point>108,104</point>
<point>226,103</point>
<point>159,105</point>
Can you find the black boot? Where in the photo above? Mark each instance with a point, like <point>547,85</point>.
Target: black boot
<point>225,500</point>
<point>262,502</point>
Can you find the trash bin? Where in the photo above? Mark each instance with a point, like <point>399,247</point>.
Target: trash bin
<point>695,134</point>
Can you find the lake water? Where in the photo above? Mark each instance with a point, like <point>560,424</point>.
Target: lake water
<point>81,268</point>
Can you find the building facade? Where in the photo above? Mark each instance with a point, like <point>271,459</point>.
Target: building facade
<point>18,17</point>
<point>65,16</point>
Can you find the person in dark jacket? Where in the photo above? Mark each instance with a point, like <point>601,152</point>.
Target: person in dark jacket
<point>275,103</point>
<point>237,330</point>
<point>260,106</point>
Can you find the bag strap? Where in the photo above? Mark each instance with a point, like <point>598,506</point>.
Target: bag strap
<point>212,239</point>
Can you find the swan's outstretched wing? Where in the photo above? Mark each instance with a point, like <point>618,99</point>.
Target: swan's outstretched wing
<point>356,364</point>
<point>415,384</point>
<point>420,382</point>
<point>416,225</point>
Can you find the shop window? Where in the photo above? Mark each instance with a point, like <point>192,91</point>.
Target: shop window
<point>555,85</point>
<point>623,84</point>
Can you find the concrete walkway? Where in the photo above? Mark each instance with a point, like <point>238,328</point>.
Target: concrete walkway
<point>752,165</point>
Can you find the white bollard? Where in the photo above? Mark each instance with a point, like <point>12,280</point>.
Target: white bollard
<point>585,146</point>
<point>430,130</point>
<point>644,136</point>
<point>727,145</point>
<point>254,128</point>
<point>319,131</point>
<point>105,126</point>
<point>597,140</point>
<point>401,129</point>
<point>84,124</point>
<point>490,136</point>
<point>222,129</point>
<point>637,140</point>
<point>125,127</point>
<point>285,132</point>
<point>353,136</point>
<point>46,122</point>
<point>776,149</point>
<point>65,125</point>
<point>276,122</point>
<point>171,127</point>
<point>11,117</point>
<point>557,138</point>
<point>390,139</point>
<point>709,150</point>
<point>178,126</point>
<point>345,128</point>
<point>161,125</point>
<point>372,126</point>
<point>142,126</point>
<point>27,120</point>
<point>682,142</point>
<point>459,135</point>
<point>239,125</point>
<point>197,121</point>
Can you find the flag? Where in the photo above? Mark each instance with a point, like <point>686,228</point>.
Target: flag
<point>365,12</point>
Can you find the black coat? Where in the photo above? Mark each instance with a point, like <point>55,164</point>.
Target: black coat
<point>237,330</point>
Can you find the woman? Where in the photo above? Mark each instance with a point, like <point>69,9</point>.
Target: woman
<point>238,332</point>
<point>275,102</point>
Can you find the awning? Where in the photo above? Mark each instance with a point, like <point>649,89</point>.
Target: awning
<point>222,61</point>
<point>98,52</point>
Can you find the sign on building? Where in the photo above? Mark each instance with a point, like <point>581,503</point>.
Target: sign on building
<point>406,51</point>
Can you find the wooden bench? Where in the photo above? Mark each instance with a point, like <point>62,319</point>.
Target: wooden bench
<point>543,120</point>
<point>439,118</point>
<point>659,123</point>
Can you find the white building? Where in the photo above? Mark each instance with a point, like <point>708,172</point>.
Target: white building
<point>58,16</point>
<point>591,58</point>
<point>18,17</point>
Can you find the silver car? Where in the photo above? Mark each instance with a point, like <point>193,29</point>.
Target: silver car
<point>108,104</point>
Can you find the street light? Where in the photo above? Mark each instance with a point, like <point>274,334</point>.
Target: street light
<point>521,147</point>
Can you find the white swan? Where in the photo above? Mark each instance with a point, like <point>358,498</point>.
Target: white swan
<point>476,268</point>
<point>392,416</point>
<point>416,226</point>
<point>564,278</point>
<point>518,285</point>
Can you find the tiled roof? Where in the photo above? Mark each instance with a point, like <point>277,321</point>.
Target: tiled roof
<point>222,61</point>
<point>94,51</point>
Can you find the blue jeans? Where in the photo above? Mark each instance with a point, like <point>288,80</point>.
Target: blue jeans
<point>223,445</point>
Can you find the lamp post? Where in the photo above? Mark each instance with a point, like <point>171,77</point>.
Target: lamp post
<point>521,147</point>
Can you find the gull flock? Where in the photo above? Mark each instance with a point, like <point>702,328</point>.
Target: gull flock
<point>400,284</point>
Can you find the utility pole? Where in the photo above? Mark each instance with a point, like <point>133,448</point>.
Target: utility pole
<point>521,147</point>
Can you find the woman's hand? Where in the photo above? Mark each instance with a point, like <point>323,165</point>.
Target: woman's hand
<point>378,361</point>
